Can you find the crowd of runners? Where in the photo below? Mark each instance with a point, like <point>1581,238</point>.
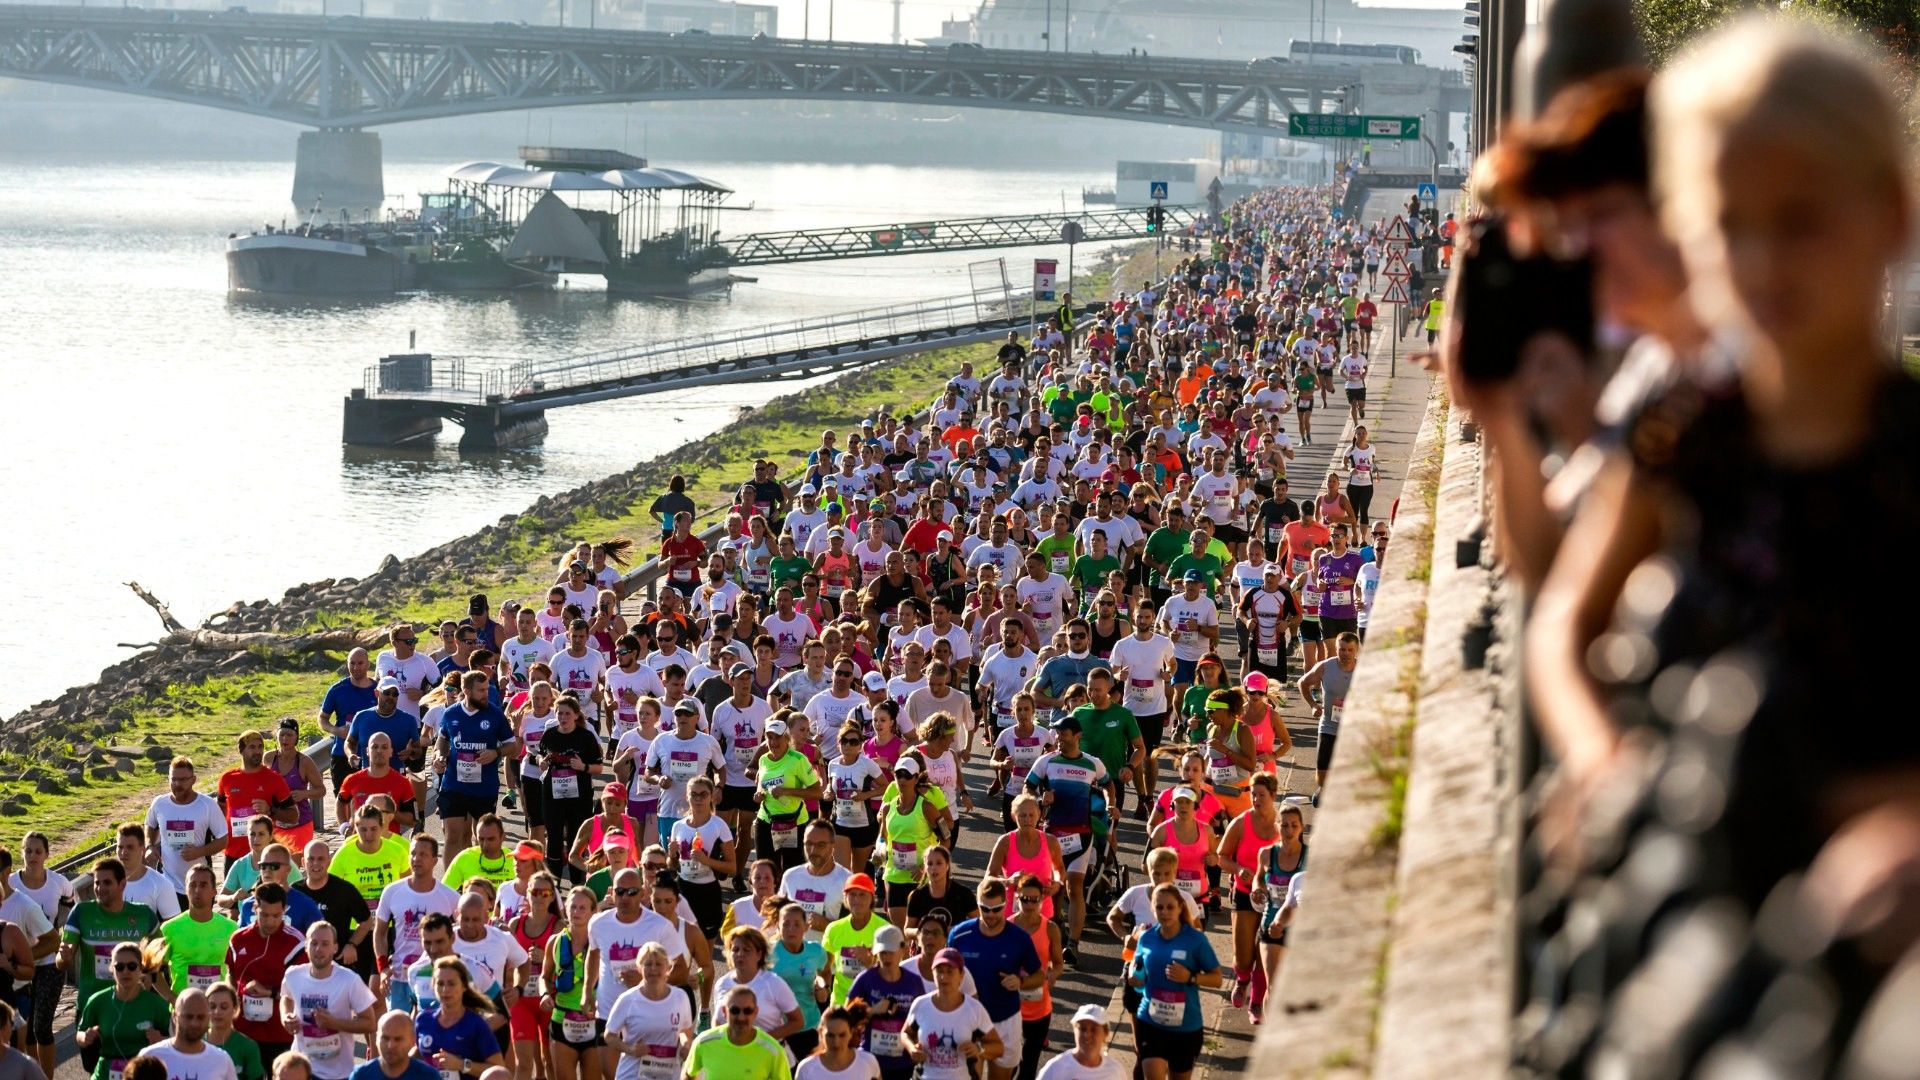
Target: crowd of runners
<point>1084,565</point>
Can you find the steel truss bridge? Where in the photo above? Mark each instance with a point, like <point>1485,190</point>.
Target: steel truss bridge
<point>949,234</point>
<point>349,72</point>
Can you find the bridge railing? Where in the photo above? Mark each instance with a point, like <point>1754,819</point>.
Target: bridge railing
<point>807,335</point>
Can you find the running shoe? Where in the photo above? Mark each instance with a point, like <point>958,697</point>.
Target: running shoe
<point>1256,1012</point>
<point>1242,992</point>
<point>1071,956</point>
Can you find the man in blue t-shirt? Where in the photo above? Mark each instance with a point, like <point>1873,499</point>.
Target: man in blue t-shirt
<point>345,700</point>
<point>473,735</point>
<point>395,1042</point>
<point>1003,962</point>
<point>385,717</point>
<point>1067,669</point>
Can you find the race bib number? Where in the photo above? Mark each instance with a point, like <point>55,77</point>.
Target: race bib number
<point>1333,714</point>
<point>786,835</point>
<point>1038,993</point>
<point>850,965</point>
<point>566,784</point>
<point>116,1069</point>
<point>1222,770</point>
<point>683,768</point>
<point>1191,882</point>
<point>180,834</point>
<point>849,813</point>
<point>103,962</point>
<point>1267,656</point>
<point>322,1046</point>
<point>201,976</point>
<point>1340,598</point>
<point>661,1063</point>
<point>1070,843</point>
<point>578,1027</point>
<point>884,1043</point>
<point>906,857</point>
<point>237,820</point>
<point>256,1008</point>
<point>1141,694</point>
<point>1167,1008</point>
<point>466,768</point>
<point>743,753</point>
<point>1297,565</point>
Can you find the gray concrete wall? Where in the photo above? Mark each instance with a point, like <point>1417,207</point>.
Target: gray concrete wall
<point>1401,961</point>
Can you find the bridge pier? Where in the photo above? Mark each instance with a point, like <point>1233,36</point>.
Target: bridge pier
<point>340,169</point>
<point>490,428</point>
<point>375,422</point>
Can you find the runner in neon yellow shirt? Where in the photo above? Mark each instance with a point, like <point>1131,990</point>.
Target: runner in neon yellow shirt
<point>373,860</point>
<point>849,940</point>
<point>737,1050</point>
<point>197,937</point>
<point>783,780</point>
<point>489,858</point>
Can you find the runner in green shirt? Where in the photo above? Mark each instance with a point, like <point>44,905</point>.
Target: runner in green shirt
<point>1090,570</point>
<point>1108,730</point>
<point>1168,542</point>
<point>96,926</point>
<point>1198,558</point>
<point>121,1017</point>
<point>244,1052</point>
<point>197,937</point>
<point>788,567</point>
<point>1057,548</point>
<point>786,780</point>
<point>849,939</point>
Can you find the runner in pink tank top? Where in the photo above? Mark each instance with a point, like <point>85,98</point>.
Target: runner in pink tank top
<point>1027,850</point>
<point>1191,839</point>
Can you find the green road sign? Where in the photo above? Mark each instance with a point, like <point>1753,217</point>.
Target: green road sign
<point>1349,126</point>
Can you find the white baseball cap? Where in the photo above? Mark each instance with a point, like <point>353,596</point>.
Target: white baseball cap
<point>1091,1014</point>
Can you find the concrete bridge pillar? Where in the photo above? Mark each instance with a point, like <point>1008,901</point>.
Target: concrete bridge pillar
<point>338,168</point>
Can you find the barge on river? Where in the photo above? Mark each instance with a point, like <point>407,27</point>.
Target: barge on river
<point>647,231</point>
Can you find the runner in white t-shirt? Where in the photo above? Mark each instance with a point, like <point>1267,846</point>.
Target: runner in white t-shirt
<point>651,1024</point>
<point>322,985</point>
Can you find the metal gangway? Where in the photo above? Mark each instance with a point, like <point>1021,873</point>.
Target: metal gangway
<point>403,397</point>
<point>953,234</point>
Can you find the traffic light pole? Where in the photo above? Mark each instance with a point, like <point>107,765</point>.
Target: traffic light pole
<point>1159,235</point>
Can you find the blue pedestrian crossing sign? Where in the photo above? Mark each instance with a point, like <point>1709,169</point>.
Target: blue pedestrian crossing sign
<point>1157,189</point>
<point>1429,193</point>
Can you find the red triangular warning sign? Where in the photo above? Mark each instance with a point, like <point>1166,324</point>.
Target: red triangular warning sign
<point>1399,231</point>
<point>1396,294</point>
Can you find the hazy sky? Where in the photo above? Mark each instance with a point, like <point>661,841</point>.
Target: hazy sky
<point>872,20</point>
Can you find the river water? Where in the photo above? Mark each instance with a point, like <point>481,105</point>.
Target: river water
<point>162,432</point>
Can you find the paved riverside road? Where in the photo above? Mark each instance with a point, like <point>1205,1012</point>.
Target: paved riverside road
<point>1397,404</point>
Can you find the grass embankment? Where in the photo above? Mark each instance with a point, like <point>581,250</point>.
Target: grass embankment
<point>202,719</point>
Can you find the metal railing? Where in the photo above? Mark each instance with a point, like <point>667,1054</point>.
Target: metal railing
<point>951,234</point>
<point>449,378</point>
